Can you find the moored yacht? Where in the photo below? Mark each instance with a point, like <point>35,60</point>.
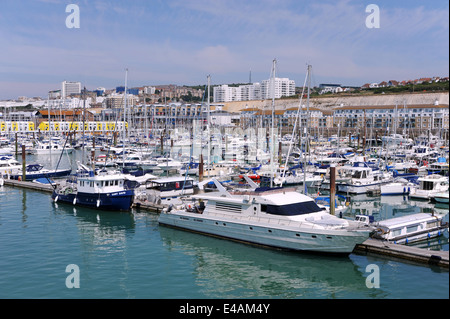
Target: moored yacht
<point>280,218</point>
<point>35,171</point>
<point>107,190</point>
<point>410,228</point>
<point>9,165</point>
<point>361,178</point>
<point>429,185</point>
<point>52,148</point>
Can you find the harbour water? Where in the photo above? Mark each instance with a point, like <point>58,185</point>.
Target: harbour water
<point>128,255</point>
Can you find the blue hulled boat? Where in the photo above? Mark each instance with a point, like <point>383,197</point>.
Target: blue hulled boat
<point>106,190</point>
<point>35,171</point>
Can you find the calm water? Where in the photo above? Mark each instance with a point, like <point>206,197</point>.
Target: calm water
<point>128,255</point>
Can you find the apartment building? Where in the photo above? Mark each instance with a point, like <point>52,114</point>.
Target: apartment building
<point>395,117</point>
<point>282,87</point>
<point>68,88</point>
<point>256,91</point>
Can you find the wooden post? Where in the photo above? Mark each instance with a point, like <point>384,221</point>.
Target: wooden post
<point>332,189</point>
<point>200,169</point>
<point>17,147</point>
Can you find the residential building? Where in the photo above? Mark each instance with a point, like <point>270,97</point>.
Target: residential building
<point>225,93</point>
<point>283,87</point>
<point>68,88</point>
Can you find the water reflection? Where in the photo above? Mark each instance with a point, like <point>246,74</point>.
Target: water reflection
<point>100,230</point>
<point>225,269</point>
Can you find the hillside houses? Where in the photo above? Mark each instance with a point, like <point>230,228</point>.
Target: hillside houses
<point>395,83</point>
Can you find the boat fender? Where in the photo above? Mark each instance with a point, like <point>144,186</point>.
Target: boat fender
<point>428,235</point>
<point>74,200</point>
<point>404,190</point>
<point>98,203</point>
<point>406,241</point>
<point>56,199</point>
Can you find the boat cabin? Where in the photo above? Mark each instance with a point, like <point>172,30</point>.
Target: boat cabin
<point>433,182</point>
<point>103,183</point>
<point>409,228</point>
<point>172,186</point>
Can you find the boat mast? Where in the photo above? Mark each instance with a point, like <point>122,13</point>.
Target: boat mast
<point>307,147</point>
<point>297,117</point>
<point>49,126</point>
<point>124,119</point>
<point>208,125</point>
<point>83,118</point>
<point>272,146</point>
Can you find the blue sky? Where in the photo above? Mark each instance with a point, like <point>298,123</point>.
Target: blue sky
<point>182,41</point>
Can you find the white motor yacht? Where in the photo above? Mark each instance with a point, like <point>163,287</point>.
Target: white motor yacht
<point>280,218</point>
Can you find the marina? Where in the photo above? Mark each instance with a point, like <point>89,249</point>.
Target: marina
<point>204,154</point>
<point>234,203</point>
<point>256,186</point>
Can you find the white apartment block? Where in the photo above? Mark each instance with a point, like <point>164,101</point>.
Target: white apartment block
<point>250,92</point>
<point>68,88</point>
<point>255,91</point>
<point>283,87</point>
<point>225,93</point>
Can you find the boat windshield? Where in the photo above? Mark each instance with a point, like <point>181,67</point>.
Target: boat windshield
<point>292,209</point>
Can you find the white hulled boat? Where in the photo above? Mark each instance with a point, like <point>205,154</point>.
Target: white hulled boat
<point>441,197</point>
<point>167,190</point>
<point>429,185</point>
<point>410,228</point>
<point>280,218</point>
<point>361,179</point>
<point>9,166</point>
<point>52,148</point>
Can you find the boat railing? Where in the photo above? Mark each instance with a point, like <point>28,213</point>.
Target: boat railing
<point>285,222</point>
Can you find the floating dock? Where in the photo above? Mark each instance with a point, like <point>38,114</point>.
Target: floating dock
<point>152,207</point>
<point>404,252</point>
<point>29,185</point>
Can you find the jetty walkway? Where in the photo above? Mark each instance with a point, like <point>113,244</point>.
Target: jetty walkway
<point>399,251</point>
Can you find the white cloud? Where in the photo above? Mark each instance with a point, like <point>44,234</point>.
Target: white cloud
<point>182,41</point>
